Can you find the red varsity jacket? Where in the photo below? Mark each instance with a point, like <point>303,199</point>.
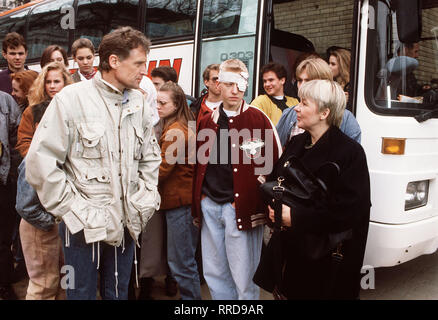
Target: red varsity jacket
<point>255,141</point>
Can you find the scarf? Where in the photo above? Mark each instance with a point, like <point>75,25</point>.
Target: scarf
<point>281,104</point>
<point>89,75</point>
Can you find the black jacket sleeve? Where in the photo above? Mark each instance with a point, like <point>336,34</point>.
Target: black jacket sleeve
<point>348,204</point>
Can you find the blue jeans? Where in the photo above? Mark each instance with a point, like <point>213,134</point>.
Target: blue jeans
<point>229,257</point>
<point>182,239</point>
<point>79,255</point>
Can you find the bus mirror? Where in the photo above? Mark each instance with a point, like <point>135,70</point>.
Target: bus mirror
<point>408,14</point>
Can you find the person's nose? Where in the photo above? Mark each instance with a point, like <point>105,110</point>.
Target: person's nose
<point>235,89</point>
<point>143,70</point>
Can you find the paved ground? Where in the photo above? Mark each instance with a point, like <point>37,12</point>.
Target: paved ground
<point>157,291</point>
<point>413,280</point>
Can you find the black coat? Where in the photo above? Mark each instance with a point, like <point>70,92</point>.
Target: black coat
<point>349,208</point>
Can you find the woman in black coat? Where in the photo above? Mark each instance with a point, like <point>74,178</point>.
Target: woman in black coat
<point>346,211</point>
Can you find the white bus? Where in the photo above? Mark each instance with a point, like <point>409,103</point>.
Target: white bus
<point>393,95</point>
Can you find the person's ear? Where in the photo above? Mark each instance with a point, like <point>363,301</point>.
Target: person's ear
<point>114,61</point>
<point>324,114</point>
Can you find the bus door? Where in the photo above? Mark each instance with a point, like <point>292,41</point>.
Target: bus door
<point>294,27</point>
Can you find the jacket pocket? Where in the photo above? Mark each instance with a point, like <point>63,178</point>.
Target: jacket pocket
<point>94,219</point>
<point>91,136</point>
<point>155,147</point>
<point>96,184</point>
<point>146,200</point>
<point>138,145</point>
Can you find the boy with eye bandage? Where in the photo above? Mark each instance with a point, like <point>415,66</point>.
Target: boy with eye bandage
<point>241,145</point>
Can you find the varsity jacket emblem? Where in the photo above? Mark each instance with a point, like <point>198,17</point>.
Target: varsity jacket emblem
<point>252,147</point>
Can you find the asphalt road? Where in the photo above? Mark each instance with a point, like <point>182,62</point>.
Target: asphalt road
<point>413,280</point>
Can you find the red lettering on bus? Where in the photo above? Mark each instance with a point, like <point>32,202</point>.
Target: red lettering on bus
<point>177,65</point>
<point>152,65</point>
<point>165,62</point>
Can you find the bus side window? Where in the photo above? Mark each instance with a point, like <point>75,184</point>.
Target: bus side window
<point>97,18</point>
<point>45,28</point>
<point>170,19</point>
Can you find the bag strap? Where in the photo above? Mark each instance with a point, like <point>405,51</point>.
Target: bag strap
<point>278,191</point>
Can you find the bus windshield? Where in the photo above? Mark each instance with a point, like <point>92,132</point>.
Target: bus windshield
<point>402,78</point>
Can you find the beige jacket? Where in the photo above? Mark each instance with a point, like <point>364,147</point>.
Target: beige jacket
<point>94,161</point>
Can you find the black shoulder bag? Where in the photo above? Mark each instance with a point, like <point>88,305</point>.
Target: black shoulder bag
<point>298,187</point>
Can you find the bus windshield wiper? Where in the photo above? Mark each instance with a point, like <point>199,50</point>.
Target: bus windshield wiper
<point>426,115</point>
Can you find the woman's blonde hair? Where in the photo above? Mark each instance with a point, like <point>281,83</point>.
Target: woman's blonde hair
<point>37,93</point>
<point>343,58</point>
<point>327,94</point>
<point>316,68</point>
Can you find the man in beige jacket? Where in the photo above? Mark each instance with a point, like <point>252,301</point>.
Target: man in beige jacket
<point>94,163</point>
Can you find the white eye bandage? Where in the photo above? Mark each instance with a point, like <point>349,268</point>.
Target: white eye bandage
<point>241,79</point>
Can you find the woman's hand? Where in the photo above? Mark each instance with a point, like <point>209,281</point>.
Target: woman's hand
<point>285,215</point>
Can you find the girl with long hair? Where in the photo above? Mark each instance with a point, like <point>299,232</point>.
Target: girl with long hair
<point>42,248</point>
<point>50,81</point>
<point>339,62</point>
<point>175,185</point>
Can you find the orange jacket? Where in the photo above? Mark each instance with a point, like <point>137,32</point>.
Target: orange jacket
<point>26,130</point>
<point>176,174</point>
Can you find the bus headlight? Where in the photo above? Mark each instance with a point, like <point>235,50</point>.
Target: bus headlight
<point>416,195</point>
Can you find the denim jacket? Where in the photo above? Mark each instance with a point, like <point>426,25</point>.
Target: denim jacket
<point>349,125</point>
<point>9,119</point>
<point>28,205</point>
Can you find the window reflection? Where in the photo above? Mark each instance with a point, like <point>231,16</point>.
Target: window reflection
<point>95,18</point>
<point>169,19</point>
<point>45,28</point>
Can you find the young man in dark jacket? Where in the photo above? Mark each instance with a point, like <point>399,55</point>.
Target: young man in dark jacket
<point>236,144</point>
<point>210,97</point>
<point>14,50</point>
